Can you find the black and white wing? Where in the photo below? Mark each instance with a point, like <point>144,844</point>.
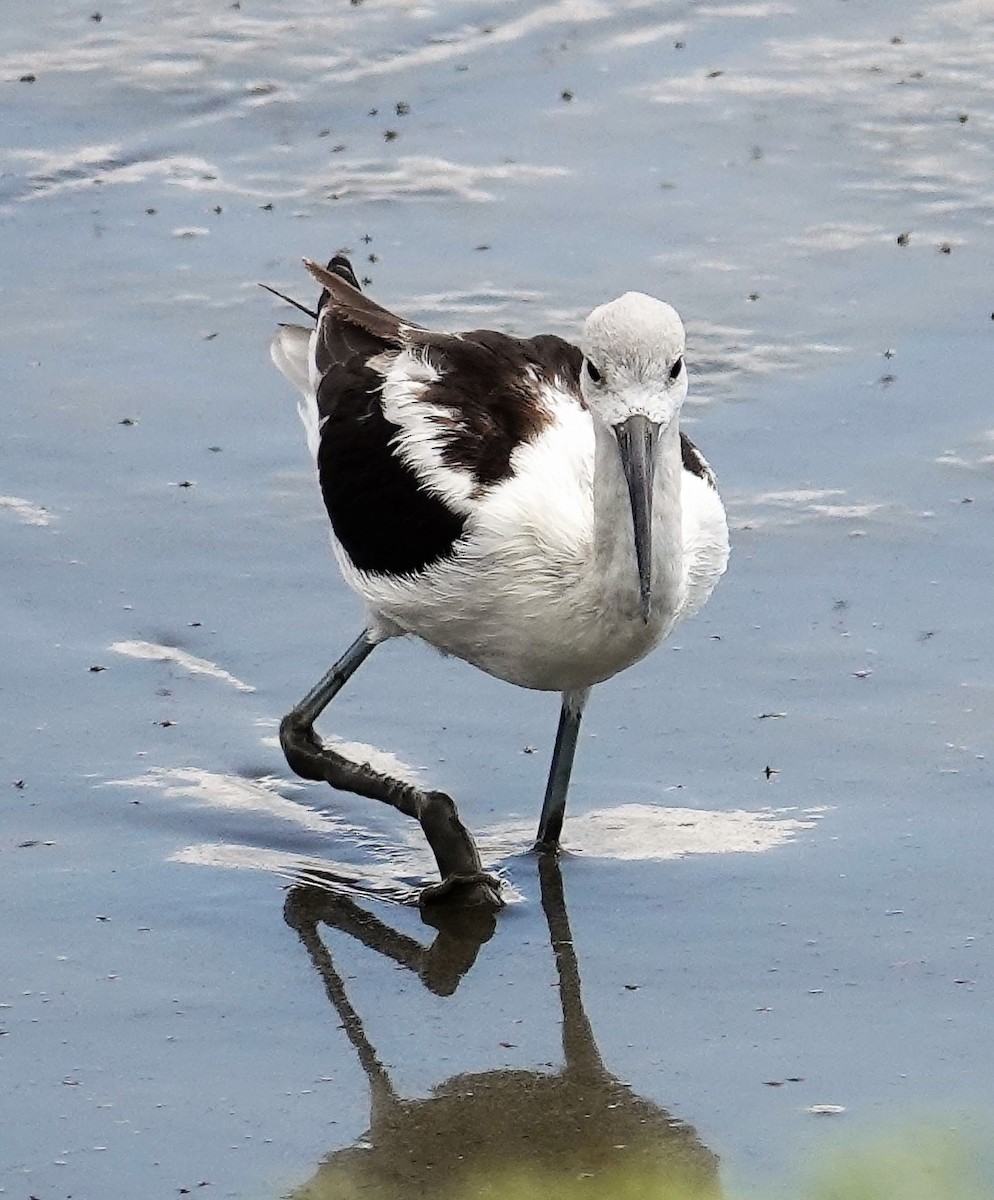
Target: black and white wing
<point>410,426</point>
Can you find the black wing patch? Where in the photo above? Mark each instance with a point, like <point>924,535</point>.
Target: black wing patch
<point>383,519</point>
<point>695,462</point>
<point>486,401</point>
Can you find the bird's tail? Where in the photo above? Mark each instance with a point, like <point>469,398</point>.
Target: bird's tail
<point>290,351</point>
<point>291,347</point>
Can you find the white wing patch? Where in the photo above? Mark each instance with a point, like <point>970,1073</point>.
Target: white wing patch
<point>421,437</point>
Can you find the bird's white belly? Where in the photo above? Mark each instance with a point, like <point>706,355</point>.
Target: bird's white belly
<point>553,632</point>
<point>554,638</point>
<point>543,592</point>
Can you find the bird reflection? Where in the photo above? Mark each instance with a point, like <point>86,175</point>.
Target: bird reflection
<point>578,1128</point>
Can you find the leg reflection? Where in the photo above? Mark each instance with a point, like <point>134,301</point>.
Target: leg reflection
<point>577,1126</point>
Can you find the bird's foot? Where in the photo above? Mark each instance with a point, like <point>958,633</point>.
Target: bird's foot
<point>464,882</point>
<point>551,847</point>
<point>476,889</point>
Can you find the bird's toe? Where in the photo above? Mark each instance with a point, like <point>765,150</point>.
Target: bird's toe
<point>475,890</point>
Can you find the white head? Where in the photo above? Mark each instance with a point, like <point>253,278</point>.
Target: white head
<point>633,360</point>
<point>634,381</point>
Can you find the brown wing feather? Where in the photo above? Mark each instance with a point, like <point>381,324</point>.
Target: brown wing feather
<point>355,308</point>
<point>487,399</point>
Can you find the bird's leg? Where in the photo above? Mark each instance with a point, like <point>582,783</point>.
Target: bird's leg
<point>451,843</point>
<point>554,808</point>
<point>303,715</point>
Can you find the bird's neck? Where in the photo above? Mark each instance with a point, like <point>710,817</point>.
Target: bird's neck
<point>614,533</point>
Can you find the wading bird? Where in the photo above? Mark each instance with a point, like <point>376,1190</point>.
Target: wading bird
<point>524,504</point>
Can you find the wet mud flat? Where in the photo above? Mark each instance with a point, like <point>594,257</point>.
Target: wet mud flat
<point>777,899</point>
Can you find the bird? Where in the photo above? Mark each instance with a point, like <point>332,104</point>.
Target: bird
<point>527,505</point>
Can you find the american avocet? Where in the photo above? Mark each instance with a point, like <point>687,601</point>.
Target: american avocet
<point>523,504</point>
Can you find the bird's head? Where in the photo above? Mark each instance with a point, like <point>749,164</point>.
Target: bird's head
<point>634,380</point>
<point>633,360</point>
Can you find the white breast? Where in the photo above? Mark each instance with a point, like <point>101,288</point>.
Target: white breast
<point>543,591</point>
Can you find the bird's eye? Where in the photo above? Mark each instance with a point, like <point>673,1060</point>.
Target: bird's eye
<point>592,371</point>
<point>676,368</point>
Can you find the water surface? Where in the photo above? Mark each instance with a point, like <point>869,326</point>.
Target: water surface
<point>780,892</point>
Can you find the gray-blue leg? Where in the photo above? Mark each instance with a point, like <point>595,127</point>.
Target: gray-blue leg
<point>454,849</point>
<point>331,683</point>
<point>554,808</point>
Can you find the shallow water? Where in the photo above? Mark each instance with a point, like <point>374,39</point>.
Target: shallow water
<point>830,923</point>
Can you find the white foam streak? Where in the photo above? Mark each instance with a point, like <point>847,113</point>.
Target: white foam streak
<point>375,880</point>
<point>470,41</point>
<point>425,177</point>
<point>153,652</point>
<point>26,511</point>
<point>794,506</point>
<point>232,792</point>
<point>646,832</point>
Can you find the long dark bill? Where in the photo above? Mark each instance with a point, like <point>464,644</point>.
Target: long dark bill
<point>637,437</point>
